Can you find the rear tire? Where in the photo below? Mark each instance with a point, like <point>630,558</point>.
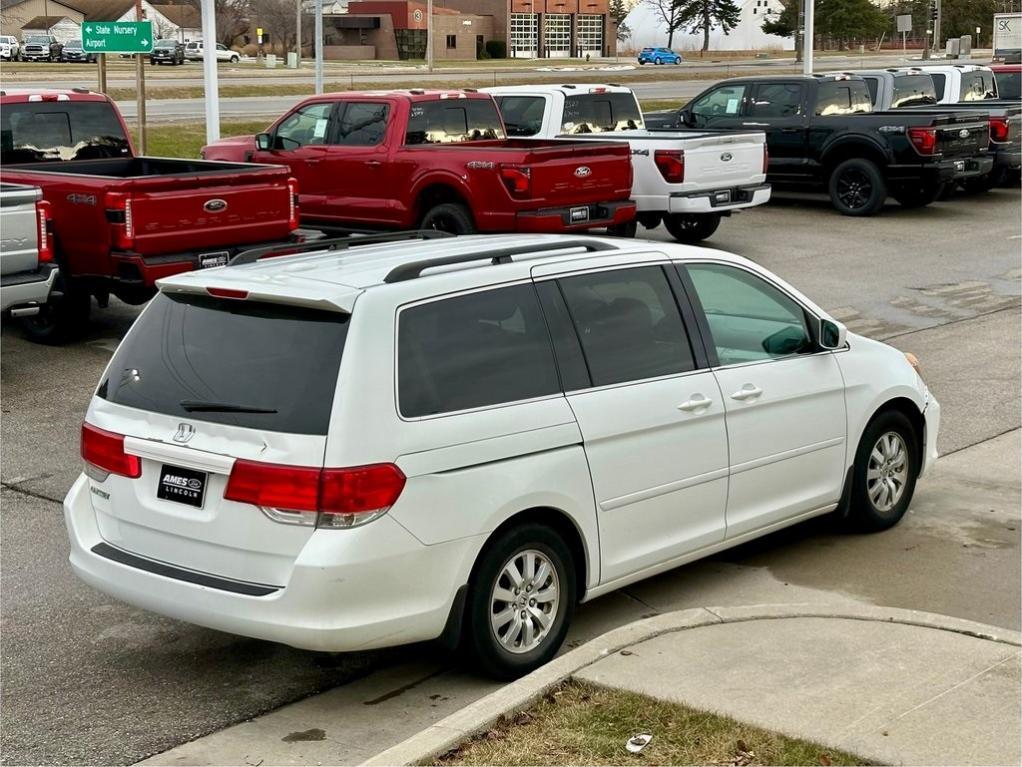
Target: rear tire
<point>62,320</point>
<point>857,188</point>
<point>691,229</point>
<point>884,474</point>
<point>451,217</point>
<point>513,646</point>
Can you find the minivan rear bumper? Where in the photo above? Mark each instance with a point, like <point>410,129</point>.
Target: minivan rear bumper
<point>372,586</point>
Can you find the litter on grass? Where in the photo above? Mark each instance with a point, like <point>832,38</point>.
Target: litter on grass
<point>636,743</point>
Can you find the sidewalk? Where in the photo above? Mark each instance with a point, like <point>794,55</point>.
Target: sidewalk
<point>894,686</point>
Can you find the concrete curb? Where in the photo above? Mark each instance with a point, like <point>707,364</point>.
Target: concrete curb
<point>522,693</point>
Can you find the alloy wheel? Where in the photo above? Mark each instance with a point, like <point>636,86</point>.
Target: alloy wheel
<point>854,188</point>
<point>887,472</point>
<point>524,601</point>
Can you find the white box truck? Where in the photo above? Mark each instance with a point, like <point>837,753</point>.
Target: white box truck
<point>1008,37</point>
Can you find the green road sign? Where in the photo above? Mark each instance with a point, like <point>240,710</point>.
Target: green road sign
<point>117,36</point>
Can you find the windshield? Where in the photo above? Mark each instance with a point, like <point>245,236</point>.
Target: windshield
<point>601,113</point>
<point>452,121</point>
<point>913,90</point>
<point>241,363</point>
<point>61,130</point>
<point>73,44</point>
<point>166,44</point>
<point>1009,85</point>
<point>38,40</point>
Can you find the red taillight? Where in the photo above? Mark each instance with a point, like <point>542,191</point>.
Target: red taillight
<point>923,139</point>
<point>118,211</point>
<point>227,293</point>
<point>105,451</point>
<point>766,159</point>
<point>42,217</point>
<point>336,494</point>
<point>999,129</point>
<point>293,214</point>
<point>517,179</point>
<point>671,163</point>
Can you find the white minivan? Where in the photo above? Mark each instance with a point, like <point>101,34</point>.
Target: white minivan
<point>406,437</point>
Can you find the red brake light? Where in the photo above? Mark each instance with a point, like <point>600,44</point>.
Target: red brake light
<point>334,493</point>
<point>118,212</point>
<point>292,190</point>
<point>923,139</point>
<point>671,163</point>
<point>42,216</point>
<point>105,450</point>
<point>517,179</point>
<point>999,129</point>
<point>227,293</point>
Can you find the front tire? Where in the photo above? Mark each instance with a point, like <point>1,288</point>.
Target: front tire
<point>857,188</point>
<point>451,217</point>
<point>520,601</point>
<point>884,474</point>
<point>691,229</point>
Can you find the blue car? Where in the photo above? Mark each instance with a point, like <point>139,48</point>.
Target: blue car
<point>659,56</point>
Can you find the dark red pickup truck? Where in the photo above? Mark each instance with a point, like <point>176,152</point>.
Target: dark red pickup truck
<point>436,160</point>
<point>121,221</point>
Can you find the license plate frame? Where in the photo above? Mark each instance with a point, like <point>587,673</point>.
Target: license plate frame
<point>214,259</point>
<point>180,485</point>
<point>959,165</point>
<point>578,215</point>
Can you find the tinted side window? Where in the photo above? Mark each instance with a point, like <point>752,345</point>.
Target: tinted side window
<point>363,124</point>
<point>977,86</point>
<point>523,115</point>
<point>75,130</point>
<point>913,90</point>
<point>448,121</point>
<point>475,350</point>
<point>306,125</point>
<point>721,102</point>
<point>777,100</point>
<point>842,98</point>
<point>600,113</point>
<point>939,81</point>
<point>629,324</point>
<point>749,318</point>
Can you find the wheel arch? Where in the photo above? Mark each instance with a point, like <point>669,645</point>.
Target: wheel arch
<point>911,411</point>
<point>848,149</point>
<point>437,190</point>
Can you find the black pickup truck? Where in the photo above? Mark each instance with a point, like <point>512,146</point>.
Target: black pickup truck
<point>914,89</point>
<point>822,132</point>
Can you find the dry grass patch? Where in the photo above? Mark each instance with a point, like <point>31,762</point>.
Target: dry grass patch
<point>581,724</point>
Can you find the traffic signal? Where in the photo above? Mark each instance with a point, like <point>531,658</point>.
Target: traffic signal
<point>934,13</point>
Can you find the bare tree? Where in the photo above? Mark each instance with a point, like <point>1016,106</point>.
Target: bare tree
<point>668,13</point>
<point>232,18</point>
<point>277,17</point>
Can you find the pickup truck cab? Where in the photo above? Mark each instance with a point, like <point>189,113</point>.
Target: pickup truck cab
<point>121,221</point>
<point>687,179</point>
<point>27,271</point>
<point>955,83</point>
<point>822,131</point>
<point>914,89</point>
<point>41,48</point>
<point>436,160</point>
<point>1009,80</point>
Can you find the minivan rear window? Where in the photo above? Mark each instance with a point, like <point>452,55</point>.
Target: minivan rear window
<point>186,354</point>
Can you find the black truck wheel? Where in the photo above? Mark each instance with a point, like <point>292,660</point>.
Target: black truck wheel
<point>918,196</point>
<point>857,188</point>
<point>65,318</point>
<point>451,217</point>
<point>691,229</point>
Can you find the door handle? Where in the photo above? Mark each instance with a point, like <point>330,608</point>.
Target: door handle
<point>790,130</point>
<point>373,163</point>
<point>312,162</point>
<point>698,402</point>
<point>747,392</point>
<point>754,125</point>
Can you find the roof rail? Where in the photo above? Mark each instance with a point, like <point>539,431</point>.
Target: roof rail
<point>414,269</point>
<point>352,239</point>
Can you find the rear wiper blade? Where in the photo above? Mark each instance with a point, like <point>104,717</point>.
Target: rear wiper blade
<point>198,406</point>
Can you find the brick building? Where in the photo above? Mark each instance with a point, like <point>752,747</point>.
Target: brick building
<point>560,29</point>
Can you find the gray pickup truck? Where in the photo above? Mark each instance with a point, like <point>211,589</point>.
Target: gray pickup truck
<point>27,268</point>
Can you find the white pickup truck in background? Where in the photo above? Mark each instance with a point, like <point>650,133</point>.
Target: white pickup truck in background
<point>27,266</point>
<point>688,179</point>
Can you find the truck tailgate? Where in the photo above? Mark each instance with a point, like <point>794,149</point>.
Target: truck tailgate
<point>958,134</point>
<point>573,173</point>
<point>204,212</point>
<point>714,161</point>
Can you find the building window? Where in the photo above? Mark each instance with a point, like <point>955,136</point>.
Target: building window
<point>590,35</point>
<point>452,42</point>
<point>524,35</point>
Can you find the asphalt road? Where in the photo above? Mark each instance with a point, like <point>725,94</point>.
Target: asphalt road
<point>88,680</point>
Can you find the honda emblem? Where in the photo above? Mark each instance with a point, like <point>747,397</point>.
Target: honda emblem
<point>185,431</point>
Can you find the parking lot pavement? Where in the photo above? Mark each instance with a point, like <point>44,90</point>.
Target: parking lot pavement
<point>123,684</point>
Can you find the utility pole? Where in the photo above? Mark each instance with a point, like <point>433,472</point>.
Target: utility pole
<point>807,39</point>
<point>319,46</point>
<point>140,85</point>
<point>936,26</point>
<point>800,21</point>
<point>101,72</point>
<point>298,31</point>
<point>209,72</point>
<point>429,35</point>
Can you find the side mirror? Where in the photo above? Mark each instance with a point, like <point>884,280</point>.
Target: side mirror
<point>833,335</point>
<point>685,118</point>
<point>264,142</point>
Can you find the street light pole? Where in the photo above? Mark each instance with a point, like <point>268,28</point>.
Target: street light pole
<point>319,46</point>
<point>140,86</point>
<point>429,35</point>
<point>807,39</point>
<point>209,72</point>
<point>298,32</point>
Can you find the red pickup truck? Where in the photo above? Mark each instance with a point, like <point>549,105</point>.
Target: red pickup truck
<point>436,160</point>
<point>121,221</point>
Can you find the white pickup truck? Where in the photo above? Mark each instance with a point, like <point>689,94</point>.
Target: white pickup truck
<point>688,179</point>
<point>957,83</point>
